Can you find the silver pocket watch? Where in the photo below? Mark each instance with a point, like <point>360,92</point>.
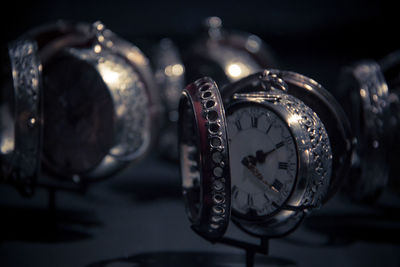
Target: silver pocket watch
<point>100,104</point>
<point>366,97</point>
<point>93,105</point>
<point>262,157</point>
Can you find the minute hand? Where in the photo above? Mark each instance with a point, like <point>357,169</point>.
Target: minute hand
<point>258,174</point>
<point>261,156</point>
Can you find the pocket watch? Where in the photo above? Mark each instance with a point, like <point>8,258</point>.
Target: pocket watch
<point>21,116</point>
<point>328,109</point>
<point>263,156</point>
<point>366,97</point>
<point>100,103</point>
<point>226,55</point>
<point>170,78</point>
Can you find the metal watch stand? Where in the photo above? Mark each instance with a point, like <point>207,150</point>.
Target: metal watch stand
<point>52,186</point>
<point>251,249</point>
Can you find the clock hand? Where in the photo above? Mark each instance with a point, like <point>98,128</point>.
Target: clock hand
<point>261,156</point>
<point>248,163</point>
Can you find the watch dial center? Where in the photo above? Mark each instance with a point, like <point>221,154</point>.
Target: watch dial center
<point>263,160</point>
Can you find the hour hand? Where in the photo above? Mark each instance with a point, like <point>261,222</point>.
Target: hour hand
<point>261,156</point>
<point>249,160</point>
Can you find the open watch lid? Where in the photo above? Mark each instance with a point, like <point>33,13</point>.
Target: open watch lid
<point>21,117</point>
<point>204,158</point>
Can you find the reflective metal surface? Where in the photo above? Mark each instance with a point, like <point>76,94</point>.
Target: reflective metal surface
<point>100,103</point>
<point>322,103</point>
<point>21,118</point>
<point>313,150</point>
<point>312,181</point>
<point>227,56</point>
<point>366,97</point>
<point>204,158</point>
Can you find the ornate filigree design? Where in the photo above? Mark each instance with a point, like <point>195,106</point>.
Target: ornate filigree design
<point>317,145</point>
<point>26,71</point>
<point>206,186</point>
<point>370,97</point>
<point>374,94</point>
<point>129,97</point>
<point>218,154</point>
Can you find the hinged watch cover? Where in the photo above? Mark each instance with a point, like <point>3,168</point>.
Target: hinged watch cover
<point>204,158</point>
<point>21,117</point>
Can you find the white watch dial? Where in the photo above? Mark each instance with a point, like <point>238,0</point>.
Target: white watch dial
<point>263,160</point>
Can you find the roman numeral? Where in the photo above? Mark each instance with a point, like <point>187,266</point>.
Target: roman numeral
<point>254,122</point>
<point>269,128</point>
<point>277,185</point>
<point>279,145</point>
<point>249,200</point>
<point>238,125</point>
<point>235,191</point>
<point>283,165</point>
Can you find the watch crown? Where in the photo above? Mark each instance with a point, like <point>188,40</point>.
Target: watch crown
<point>270,81</point>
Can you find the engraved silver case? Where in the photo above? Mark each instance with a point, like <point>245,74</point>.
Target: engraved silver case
<point>21,117</point>
<point>366,96</point>
<point>128,115</point>
<point>314,162</point>
<point>329,111</point>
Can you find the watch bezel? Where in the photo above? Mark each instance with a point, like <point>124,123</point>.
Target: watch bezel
<point>244,102</point>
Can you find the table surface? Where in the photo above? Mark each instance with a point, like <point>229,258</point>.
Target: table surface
<point>139,217</point>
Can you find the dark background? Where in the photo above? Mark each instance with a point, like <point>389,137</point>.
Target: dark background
<point>313,37</point>
<point>139,214</point>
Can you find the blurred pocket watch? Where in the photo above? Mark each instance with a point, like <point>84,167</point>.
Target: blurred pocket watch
<point>367,99</point>
<point>170,78</point>
<point>99,101</point>
<point>370,92</point>
<point>268,160</point>
<point>227,56</point>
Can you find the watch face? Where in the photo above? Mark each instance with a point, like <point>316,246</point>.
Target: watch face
<point>96,107</point>
<point>263,160</point>
<point>78,129</point>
